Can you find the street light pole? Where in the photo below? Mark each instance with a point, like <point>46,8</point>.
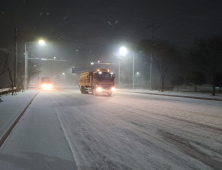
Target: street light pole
<point>119,72</point>
<point>41,42</point>
<point>151,72</point>
<point>122,52</point>
<point>38,82</point>
<point>15,59</point>
<point>26,70</point>
<point>133,70</point>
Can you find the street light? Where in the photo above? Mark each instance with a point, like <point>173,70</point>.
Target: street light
<point>41,42</point>
<point>123,51</point>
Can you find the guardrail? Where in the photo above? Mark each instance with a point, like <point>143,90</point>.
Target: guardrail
<point>6,90</point>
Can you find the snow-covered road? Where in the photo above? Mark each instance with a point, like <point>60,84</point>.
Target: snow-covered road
<point>63,129</point>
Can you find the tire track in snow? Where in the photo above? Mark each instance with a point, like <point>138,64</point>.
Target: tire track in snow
<point>99,161</point>
<point>144,127</point>
<point>217,128</point>
<point>199,155</point>
<point>82,146</point>
<point>158,147</point>
<point>161,122</point>
<point>131,135</point>
<point>66,136</point>
<point>109,163</point>
<point>189,149</point>
<point>199,111</point>
<point>127,130</point>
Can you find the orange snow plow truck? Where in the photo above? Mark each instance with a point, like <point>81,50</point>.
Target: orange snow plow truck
<point>97,82</point>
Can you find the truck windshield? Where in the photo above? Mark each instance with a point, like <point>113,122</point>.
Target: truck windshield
<point>105,76</point>
<point>45,80</point>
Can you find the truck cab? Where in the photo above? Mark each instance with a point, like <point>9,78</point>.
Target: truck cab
<point>97,82</point>
<point>46,83</point>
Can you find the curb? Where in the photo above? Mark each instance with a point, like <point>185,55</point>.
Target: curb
<point>193,97</point>
<point>4,137</point>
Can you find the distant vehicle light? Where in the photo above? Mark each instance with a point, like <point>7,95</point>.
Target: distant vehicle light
<point>113,89</point>
<point>100,72</point>
<point>111,73</point>
<point>99,89</point>
<point>46,86</point>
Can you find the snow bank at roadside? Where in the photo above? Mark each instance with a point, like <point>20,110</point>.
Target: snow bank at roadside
<point>12,106</point>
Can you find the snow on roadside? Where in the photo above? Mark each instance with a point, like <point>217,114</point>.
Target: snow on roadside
<point>37,141</point>
<point>12,106</point>
<point>178,93</point>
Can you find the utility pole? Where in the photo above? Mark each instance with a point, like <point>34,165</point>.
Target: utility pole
<point>151,58</point>
<point>133,70</point>
<point>38,82</point>
<point>26,69</point>
<point>151,71</point>
<point>15,58</point>
<point>119,72</point>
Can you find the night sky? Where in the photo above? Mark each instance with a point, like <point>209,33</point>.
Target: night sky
<point>91,30</point>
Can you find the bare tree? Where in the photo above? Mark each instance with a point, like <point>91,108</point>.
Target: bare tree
<point>207,55</point>
<point>196,78</point>
<point>10,70</point>
<point>33,70</point>
<point>7,66</point>
<point>3,65</point>
<point>177,81</point>
<point>20,75</point>
<point>163,55</point>
<point>4,59</point>
<point>219,80</point>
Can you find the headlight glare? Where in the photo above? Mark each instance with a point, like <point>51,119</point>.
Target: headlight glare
<point>46,86</point>
<point>99,89</point>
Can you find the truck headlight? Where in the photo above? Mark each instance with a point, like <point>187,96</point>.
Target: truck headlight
<point>113,89</point>
<point>99,89</point>
<point>46,86</point>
